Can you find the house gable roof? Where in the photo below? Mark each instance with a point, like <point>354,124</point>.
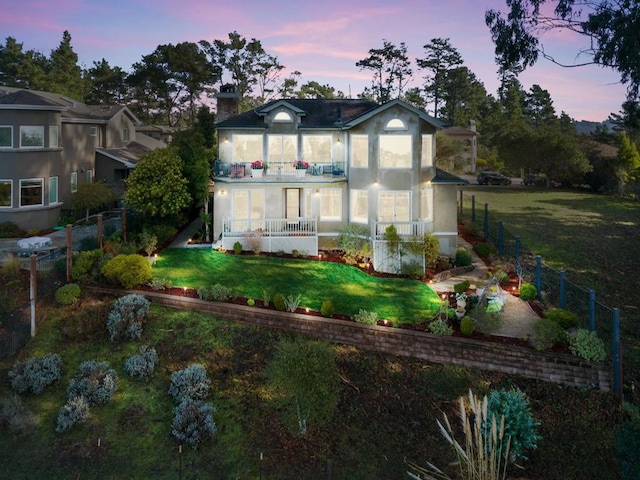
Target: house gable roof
<point>442,177</point>
<point>128,156</point>
<point>393,103</point>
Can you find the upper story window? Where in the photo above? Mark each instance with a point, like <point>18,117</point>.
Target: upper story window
<point>247,148</point>
<point>6,136</point>
<point>93,131</point>
<point>125,134</point>
<point>283,117</point>
<point>316,148</point>
<point>53,136</point>
<point>359,151</point>
<point>31,192</point>
<point>6,193</point>
<point>427,151</point>
<point>395,151</point>
<point>395,124</point>
<point>282,148</point>
<point>31,136</point>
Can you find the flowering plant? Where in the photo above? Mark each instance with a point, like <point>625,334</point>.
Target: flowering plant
<point>257,165</point>
<point>300,165</point>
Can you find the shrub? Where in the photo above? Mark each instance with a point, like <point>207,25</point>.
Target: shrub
<point>10,230</point>
<point>327,309</point>
<point>237,248</point>
<point>36,374</point>
<point>97,382</point>
<point>126,315</point>
<point>564,318</point>
<point>128,270</point>
<point>413,269</point>
<point>519,424</point>
<point>353,240</point>
<point>628,445</point>
<point>292,302</point>
<point>160,283</point>
<point>16,417</point>
<point>163,232</point>
<point>278,302</point>
<point>484,249</point>
<point>141,366</point>
<point>68,294</point>
<point>586,344</point>
<point>88,264</point>
<point>466,326</point>
<point>266,296</point>
<point>75,410</point>
<point>487,323</point>
<point>148,242</point>
<point>9,266</point>
<point>191,382</point>
<point>440,327</point>
<point>366,317</point>
<point>463,257</point>
<point>547,333</point>
<point>528,291</point>
<point>462,286</point>
<point>214,293</point>
<point>192,421</point>
<point>501,276</point>
<point>251,302</point>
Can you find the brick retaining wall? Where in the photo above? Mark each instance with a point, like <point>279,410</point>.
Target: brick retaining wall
<point>553,367</point>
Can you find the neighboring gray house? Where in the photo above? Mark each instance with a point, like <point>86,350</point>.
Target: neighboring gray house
<point>468,137</point>
<point>50,144</point>
<point>363,163</point>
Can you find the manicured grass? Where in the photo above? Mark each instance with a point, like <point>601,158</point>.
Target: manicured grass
<point>350,289</point>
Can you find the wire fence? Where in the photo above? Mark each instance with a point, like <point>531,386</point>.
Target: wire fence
<point>552,285</point>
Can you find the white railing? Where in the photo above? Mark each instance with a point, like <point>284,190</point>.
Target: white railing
<point>273,227</point>
<point>408,229</point>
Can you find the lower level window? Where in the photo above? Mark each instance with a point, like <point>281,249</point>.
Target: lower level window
<point>6,193</point>
<point>53,190</point>
<point>31,191</point>
<point>330,204</point>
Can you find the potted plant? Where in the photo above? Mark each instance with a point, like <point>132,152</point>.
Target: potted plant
<point>257,168</point>
<point>461,305</point>
<point>301,168</point>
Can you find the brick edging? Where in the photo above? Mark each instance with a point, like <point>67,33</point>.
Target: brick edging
<point>548,366</point>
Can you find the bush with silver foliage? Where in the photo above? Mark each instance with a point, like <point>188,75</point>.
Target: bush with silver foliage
<point>193,421</point>
<point>141,366</point>
<point>97,382</point>
<point>75,410</point>
<point>191,382</point>
<point>126,315</point>
<point>35,374</point>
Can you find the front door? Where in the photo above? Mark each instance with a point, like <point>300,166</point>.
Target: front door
<point>292,203</point>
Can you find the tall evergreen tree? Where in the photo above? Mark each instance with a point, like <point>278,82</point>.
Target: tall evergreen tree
<point>65,75</point>
<point>391,70</point>
<point>440,58</point>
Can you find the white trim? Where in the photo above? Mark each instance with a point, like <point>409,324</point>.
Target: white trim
<point>10,136</point>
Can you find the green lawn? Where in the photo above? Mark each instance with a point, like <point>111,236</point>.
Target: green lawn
<point>350,289</point>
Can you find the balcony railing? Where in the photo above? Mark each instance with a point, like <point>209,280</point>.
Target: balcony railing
<point>278,169</point>
<point>405,229</point>
<point>274,227</point>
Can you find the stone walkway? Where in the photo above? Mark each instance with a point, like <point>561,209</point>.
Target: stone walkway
<point>518,317</point>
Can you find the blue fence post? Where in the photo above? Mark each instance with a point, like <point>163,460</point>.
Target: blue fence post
<point>500,237</point>
<point>517,250</point>
<point>592,310</point>
<point>617,361</point>
<point>539,275</point>
<point>563,289</point>
<point>486,221</point>
<point>473,208</point>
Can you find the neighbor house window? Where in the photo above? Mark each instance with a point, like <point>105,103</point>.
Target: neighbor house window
<point>359,206</point>
<point>74,182</point>
<point>89,176</point>
<point>394,207</point>
<point>31,136</point>
<point>360,151</point>
<point>330,204</point>
<point>53,136</point>
<point>93,131</point>
<point>426,204</point>
<point>427,151</point>
<point>395,151</point>
<point>316,148</point>
<point>248,210</point>
<point>282,149</point>
<point>125,135</point>
<point>247,148</point>
<point>53,190</point>
<point>31,192</point>
<point>6,193</point>
<point>6,136</point>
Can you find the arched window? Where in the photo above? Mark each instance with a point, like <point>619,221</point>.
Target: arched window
<point>395,124</point>
<point>282,117</point>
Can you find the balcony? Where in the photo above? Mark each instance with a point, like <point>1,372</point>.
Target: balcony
<point>278,172</point>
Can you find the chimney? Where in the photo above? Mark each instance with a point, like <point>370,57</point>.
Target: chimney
<point>472,125</point>
<point>228,102</point>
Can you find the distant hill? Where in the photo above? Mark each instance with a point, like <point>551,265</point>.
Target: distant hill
<point>585,127</point>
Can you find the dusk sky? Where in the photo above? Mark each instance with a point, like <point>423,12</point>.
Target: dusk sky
<point>321,39</point>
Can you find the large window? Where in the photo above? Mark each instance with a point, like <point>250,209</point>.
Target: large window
<point>6,136</point>
<point>31,192</point>
<point>330,204</point>
<point>316,149</point>
<point>53,190</point>
<point>359,206</point>
<point>394,207</point>
<point>282,149</point>
<point>53,136</point>
<point>31,136</point>
<point>426,204</point>
<point>248,209</point>
<point>360,151</point>
<point>6,193</point>
<point>247,148</point>
<point>74,182</point>
<point>395,151</point>
<point>427,151</point>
